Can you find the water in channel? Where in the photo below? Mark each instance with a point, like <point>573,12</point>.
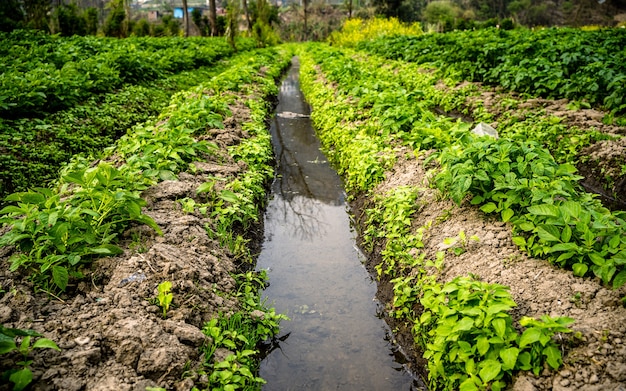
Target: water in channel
<point>334,340</point>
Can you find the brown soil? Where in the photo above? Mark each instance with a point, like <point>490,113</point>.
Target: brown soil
<point>597,361</point>
<point>112,335</point>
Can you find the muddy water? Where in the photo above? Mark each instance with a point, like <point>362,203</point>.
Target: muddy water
<point>334,340</point>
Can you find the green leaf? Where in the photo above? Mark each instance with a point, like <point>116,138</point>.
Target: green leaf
<point>205,187</point>
<point>229,196</point>
<point>507,214</point>
<point>468,385</point>
<point>519,241</point>
<point>526,226</point>
<point>488,207</point>
<point>562,247</point>
<point>45,343</point>
<point>619,280</point>
<point>509,358</point>
<point>106,249</point>
<point>529,336</point>
<point>580,269</point>
<point>60,276</point>
<point>11,209</point>
<point>482,344</point>
<point>27,197</point>
<point>553,356</point>
<point>524,361</point>
<point>548,233</point>
<point>620,258</point>
<point>477,200</point>
<point>490,370</point>
<point>572,208</point>
<point>615,241</point>
<point>7,346</point>
<point>543,210</point>
<point>21,379</point>
<point>499,325</point>
<point>167,175</point>
<point>566,233</point>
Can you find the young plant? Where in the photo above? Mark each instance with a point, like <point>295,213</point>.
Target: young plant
<point>459,243</point>
<point>165,296</point>
<point>21,376</point>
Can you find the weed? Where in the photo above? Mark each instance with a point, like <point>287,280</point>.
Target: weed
<point>165,296</point>
<point>459,243</point>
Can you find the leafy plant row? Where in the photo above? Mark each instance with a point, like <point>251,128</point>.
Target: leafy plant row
<point>554,219</point>
<point>232,209</point>
<point>59,231</point>
<point>32,150</point>
<point>48,73</point>
<point>539,181</point>
<point>465,328</point>
<point>158,150</point>
<point>553,63</point>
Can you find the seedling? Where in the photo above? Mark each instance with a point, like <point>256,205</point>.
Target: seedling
<point>165,296</point>
<point>22,376</point>
<point>459,243</point>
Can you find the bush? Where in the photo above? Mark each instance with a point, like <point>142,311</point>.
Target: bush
<point>141,28</point>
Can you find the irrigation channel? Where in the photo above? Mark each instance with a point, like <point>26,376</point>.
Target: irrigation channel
<point>334,340</point>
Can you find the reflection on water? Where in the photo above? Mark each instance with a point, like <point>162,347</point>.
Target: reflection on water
<point>334,340</point>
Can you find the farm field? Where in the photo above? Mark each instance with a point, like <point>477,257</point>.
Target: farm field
<point>136,265</point>
<point>496,266</point>
<point>66,96</point>
<point>469,234</point>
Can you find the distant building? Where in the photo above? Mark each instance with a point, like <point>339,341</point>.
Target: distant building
<point>153,16</point>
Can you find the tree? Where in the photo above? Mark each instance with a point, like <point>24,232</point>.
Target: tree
<point>186,17</point>
<point>91,20</point>
<point>213,17</point>
<point>442,13</point>
<point>306,28</point>
<point>388,8</point>
<point>247,14</point>
<point>232,22</point>
<point>37,13</point>
<point>70,20</point>
<point>114,25</point>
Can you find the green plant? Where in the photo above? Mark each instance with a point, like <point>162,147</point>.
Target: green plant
<point>458,243</point>
<point>165,296</point>
<point>523,183</point>
<point>240,333</point>
<point>58,232</point>
<point>22,376</point>
<point>469,339</point>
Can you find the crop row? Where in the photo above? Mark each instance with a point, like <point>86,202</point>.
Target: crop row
<point>58,232</point>
<point>48,73</point>
<point>515,174</point>
<point>553,63</point>
<point>32,150</point>
<point>375,106</point>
